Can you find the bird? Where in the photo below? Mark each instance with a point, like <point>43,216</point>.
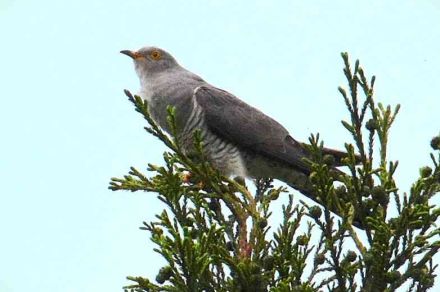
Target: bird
<point>238,139</point>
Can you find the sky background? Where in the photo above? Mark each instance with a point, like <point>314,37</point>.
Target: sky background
<point>66,126</point>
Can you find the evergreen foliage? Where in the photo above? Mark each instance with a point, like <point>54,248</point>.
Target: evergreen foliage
<point>214,233</point>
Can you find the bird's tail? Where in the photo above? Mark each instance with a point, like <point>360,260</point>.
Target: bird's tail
<point>339,156</point>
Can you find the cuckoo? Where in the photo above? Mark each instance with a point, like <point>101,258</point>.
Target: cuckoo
<point>238,139</point>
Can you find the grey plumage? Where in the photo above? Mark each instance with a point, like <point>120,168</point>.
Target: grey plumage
<point>238,138</point>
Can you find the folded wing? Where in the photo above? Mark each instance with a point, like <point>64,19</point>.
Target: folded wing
<point>248,128</point>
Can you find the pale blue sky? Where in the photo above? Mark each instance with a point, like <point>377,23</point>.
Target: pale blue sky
<point>67,127</point>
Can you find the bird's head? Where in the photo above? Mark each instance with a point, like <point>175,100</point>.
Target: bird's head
<point>151,60</point>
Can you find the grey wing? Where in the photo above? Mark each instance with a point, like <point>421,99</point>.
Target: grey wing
<point>248,128</point>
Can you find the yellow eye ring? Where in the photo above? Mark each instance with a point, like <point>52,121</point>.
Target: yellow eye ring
<point>155,55</point>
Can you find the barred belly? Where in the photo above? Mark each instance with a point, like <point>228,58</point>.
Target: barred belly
<point>222,154</point>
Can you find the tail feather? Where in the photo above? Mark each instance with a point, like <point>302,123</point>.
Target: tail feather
<point>339,156</point>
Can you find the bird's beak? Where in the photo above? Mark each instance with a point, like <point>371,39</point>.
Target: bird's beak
<point>133,55</point>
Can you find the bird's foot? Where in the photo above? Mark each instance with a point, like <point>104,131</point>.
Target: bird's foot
<point>186,177</point>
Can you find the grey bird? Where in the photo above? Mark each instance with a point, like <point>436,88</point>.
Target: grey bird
<point>238,139</point>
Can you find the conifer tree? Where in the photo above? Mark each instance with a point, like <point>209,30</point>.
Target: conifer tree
<point>214,233</point>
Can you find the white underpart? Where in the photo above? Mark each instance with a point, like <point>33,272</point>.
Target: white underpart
<point>234,164</point>
<point>197,111</point>
<point>238,166</point>
<point>146,91</point>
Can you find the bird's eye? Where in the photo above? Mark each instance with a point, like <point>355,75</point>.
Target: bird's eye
<point>155,55</point>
